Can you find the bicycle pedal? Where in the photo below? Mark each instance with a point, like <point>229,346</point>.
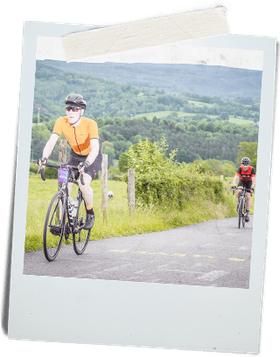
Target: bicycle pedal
<point>77,230</point>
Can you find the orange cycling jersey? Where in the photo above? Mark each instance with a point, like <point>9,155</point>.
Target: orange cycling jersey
<point>78,137</point>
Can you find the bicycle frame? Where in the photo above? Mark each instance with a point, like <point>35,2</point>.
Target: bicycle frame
<point>69,223</point>
<point>242,203</point>
<point>64,190</point>
<point>243,194</point>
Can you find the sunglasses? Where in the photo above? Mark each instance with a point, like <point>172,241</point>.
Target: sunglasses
<point>74,109</point>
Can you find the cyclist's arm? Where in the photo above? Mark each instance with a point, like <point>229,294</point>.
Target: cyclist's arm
<point>253,182</point>
<point>236,178</point>
<point>94,144</point>
<point>50,145</point>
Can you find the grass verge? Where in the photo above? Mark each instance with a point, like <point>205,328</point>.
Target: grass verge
<point>119,222</point>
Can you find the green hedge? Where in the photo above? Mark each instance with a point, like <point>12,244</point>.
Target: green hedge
<point>33,168</point>
<point>176,191</point>
<point>50,172</point>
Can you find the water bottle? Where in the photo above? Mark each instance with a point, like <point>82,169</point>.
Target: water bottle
<point>72,207</point>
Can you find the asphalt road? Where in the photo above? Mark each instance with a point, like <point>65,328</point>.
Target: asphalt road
<point>214,253</point>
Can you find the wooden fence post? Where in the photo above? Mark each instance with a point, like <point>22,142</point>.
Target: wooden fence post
<point>131,190</point>
<point>62,154</point>
<point>104,176</point>
<point>62,151</point>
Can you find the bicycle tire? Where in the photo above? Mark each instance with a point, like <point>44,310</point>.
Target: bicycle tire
<point>239,212</point>
<point>54,227</point>
<point>243,213</point>
<point>239,220</point>
<point>81,238</point>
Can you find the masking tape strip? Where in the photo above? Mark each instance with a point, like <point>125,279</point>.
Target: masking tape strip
<point>146,33</point>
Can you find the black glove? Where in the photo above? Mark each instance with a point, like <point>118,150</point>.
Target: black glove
<point>43,162</point>
<point>252,189</point>
<point>233,187</point>
<point>83,165</point>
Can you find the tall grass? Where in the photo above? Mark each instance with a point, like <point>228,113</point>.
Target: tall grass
<point>119,222</point>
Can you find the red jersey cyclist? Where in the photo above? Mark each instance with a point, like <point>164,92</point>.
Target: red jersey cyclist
<point>82,135</point>
<point>246,175</point>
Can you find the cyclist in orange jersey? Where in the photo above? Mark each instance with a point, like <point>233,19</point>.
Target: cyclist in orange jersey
<point>82,135</point>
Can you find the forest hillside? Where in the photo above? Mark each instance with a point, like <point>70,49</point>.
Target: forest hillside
<point>204,112</point>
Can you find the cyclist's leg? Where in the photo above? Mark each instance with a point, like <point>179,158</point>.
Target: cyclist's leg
<point>248,196</point>
<point>248,201</point>
<point>89,175</point>
<point>74,161</point>
<point>240,185</point>
<point>70,188</point>
<point>86,190</point>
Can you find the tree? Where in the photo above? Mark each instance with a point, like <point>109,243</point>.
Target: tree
<point>136,139</point>
<point>249,150</point>
<point>121,146</point>
<point>123,162</point>
<point>118,121</point>
<point>210,126</point>
<point>201,125</point>
<point>213,166</point>
<point>108,148</point>
<point>224,116</point>
<point>227,128</point>
<point>146,157</point>
<point>109,121</point>
<point>192,128</point>
<point>40,135</point>
<point>99,121</point>
<point>228,168</point>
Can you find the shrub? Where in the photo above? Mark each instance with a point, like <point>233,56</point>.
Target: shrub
<point>51,172</point>
<point>33,168</point>
<point>160,180</point>
<point>176,191</point>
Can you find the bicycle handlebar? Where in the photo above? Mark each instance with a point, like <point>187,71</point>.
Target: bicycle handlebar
<point>241,189</point>
<point>57,166</point>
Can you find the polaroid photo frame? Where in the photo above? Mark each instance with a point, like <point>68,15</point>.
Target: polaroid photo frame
<point>132,313</point>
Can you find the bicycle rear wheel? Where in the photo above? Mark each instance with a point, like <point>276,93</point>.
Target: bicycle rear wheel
<point>80,235</point>
<point>54,227</point>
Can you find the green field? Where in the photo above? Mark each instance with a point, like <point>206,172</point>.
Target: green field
<point>164,114</point>
<point>119,222</point>
<point>239,120</point>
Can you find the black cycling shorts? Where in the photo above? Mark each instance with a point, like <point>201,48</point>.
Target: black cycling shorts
<point>92,170</point>
<point>246,184</point>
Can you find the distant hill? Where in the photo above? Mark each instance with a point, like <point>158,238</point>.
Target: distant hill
<point>107,98</point>
<point>214,81</point>
<point>198,125</point>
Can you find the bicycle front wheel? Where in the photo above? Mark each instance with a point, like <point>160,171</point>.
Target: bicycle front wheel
<point>244,212</point>
<point>240,211</point>
<point>80,235</point>
<point>54,227</point>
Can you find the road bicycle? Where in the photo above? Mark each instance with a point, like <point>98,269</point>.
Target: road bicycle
<point>241,207</point>
<point>65,216</point>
